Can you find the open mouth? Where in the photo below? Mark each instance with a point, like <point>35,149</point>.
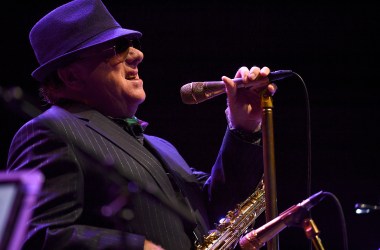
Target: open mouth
<point>131,77</point>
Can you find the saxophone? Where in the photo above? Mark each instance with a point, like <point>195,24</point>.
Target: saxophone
<point>235,224</point>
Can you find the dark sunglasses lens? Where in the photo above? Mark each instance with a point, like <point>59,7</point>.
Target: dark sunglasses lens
<point>124,44</point>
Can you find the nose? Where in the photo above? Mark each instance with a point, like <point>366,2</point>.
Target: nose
<point>134,57</point>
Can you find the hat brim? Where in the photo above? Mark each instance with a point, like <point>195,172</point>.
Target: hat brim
<point>47,68</point>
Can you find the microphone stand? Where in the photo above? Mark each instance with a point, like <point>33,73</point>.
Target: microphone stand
<point>312,233</point>
<point>269,164</point>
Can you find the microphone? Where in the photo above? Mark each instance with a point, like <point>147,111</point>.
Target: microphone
<point>362,208</point>
<point>256,239</point>
<point>197,92</point>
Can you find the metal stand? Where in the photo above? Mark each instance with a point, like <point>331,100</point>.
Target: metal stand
<point>269,164</point>
<point>312,233</point>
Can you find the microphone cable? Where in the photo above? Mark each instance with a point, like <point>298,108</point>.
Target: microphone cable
<point>309,167</point>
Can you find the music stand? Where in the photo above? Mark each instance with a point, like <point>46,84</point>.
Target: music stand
<point>18,195</point>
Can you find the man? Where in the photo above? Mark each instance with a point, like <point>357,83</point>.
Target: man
<point>107,184</point>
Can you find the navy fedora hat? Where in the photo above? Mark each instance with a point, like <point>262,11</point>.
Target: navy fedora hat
<point>70,28</point>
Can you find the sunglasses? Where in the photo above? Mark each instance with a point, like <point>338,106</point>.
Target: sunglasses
<point>119,47</point>
<point>123,44</point>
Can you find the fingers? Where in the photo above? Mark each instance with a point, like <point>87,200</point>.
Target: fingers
<point>264,71</point>
<point>272,88</point>
<point>242,72</point>
<point>231,87</point>
<point>248,75</point>
<point>252,73</point>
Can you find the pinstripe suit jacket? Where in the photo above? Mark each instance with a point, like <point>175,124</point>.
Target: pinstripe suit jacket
<point>105,190</point>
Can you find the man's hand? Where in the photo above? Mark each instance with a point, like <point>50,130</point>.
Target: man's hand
<point>244,110</point>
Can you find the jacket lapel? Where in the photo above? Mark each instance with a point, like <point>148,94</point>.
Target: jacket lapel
<point>116,135</point>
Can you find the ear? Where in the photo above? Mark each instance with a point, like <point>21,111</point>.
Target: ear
<point>70,77</point>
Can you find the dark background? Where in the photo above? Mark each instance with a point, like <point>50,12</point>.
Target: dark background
<point>333,47</point>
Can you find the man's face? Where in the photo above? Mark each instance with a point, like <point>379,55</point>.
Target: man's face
<point>111,84</point>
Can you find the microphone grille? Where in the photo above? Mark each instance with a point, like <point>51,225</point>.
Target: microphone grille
<point>190,92</point>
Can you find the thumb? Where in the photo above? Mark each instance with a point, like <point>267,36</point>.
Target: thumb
<point>231,87</point>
